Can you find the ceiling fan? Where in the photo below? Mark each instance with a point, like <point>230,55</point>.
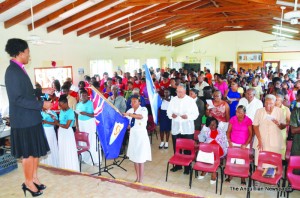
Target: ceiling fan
<point>171,47</point>
<point>278,38</point>
<point>35,39</point>
<point>294,15</point>
<point>129,44</point>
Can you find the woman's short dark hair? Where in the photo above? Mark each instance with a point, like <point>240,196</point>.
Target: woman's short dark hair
<point>15,46</point>
<point>83,91</point>
<point>209,121</point>
<point>241,107</point>
<point>81,83</point>
<point>56,85</point>
<point>63,98</point>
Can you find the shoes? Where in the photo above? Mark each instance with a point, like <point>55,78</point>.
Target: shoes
<point>228,179</point>
<point>213,181</point>
<point>33,194</point>
<point>40,187</point>
<point>201,176</point>
<point>161,145</point>
<point>166,145</point>
<point>176,168</point>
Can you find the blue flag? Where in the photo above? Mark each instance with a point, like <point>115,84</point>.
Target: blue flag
<point>111,125</point>
<point>154,97</point>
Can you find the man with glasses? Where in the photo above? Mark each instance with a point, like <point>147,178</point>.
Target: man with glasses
<point>251,103</point>
<point>183,111</point>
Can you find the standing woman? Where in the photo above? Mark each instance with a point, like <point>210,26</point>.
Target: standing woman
<point>139,150</point>
<point>268,123</point>
<point>233,96</point>
<point>86,123</point>
<point>49,118</point>
<point>164,121</point>
<point>28,139</point>
<point>67,152</point>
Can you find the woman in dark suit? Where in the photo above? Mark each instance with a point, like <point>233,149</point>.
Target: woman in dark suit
<point>28,140</point>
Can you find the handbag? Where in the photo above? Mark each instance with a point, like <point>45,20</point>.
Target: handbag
<point>206,157</point>
<point>7,163</point>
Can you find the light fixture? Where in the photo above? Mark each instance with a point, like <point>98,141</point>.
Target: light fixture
<point>176,33</point>
<point>286,4</point>
<point>79,8</point>
<point>284,35</point>
<point>191,37</point>
<point>286,29</point>
<point>154,28</point>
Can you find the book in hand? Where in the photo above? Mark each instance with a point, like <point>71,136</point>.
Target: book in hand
<point>269,172</point>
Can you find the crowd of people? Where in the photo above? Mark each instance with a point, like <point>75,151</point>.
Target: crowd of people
<point>257,109</point>
<point>248,109</point>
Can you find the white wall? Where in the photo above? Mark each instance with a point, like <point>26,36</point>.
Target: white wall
<point>74,51</point>
<point>225,45</point>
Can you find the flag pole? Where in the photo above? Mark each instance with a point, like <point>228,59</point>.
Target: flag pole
<point>101,95</point>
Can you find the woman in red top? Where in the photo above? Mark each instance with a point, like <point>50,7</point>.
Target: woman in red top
<point>164,84</point>
<point>208,76</point>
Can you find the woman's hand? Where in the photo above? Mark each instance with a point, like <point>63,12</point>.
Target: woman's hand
<point>276,122</point>
<point>230,144</point>
<point>260,146</point>
<point>56,122</point>
<point>125,114</point>
<point>243,146</point>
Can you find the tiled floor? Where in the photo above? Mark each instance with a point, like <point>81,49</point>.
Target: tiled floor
<point>155,174</point>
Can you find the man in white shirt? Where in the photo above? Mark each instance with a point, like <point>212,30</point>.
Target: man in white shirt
<point>201,84</point>
<point>251,103</point>
<point>183,111</point>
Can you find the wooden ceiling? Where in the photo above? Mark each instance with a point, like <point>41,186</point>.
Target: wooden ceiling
<point>110,18</point>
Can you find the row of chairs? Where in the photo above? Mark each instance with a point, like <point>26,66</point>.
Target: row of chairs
<point>231,168</point>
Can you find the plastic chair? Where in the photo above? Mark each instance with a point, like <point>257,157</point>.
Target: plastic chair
<point>180,158</point>
<point>82,137</point>
<point>151,127</point>
<point>294,180</point>
<point>266,157</point>
<point>211,168</point>
<point>196,134</point>
<point>287,159</point>
<point>237,170</point>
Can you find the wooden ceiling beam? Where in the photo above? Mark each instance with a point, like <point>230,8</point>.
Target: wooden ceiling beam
<point>134,17</point>
<point>140,20</point>
<point>201,11</point>
<point>6,5</point>
<point>79,15</point>
<point>102,22</point>
<point>142,27</point>
<point>27,13</point>
<point>55,14</point>
<point>148,2</point>
<point>218,19</point>
<point>157,33</point>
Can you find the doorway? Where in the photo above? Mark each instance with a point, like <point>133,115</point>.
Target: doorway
<point>224,67</point>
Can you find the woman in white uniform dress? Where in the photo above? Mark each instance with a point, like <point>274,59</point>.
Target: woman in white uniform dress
<point>139,149</point>
<point>67,150</point>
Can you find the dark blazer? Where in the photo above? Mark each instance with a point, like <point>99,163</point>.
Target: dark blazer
<point>24,108</point>
<point>198,121</point>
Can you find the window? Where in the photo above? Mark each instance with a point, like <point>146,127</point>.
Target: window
<point>153,62</point>
<point>101,66</point>
<point>131,65</point>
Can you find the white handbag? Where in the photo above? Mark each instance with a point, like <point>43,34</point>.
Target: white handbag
<point>206,157</point>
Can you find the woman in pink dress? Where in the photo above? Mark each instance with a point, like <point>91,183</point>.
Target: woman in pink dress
<point>220,84</point>
<point>239,132</point>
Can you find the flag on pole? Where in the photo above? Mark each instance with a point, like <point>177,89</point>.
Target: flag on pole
<point>154,98</point>
<point>111,125</point>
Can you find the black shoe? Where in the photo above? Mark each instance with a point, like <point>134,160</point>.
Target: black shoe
<point>34,194</point>
<point>40,187</point>
<point>176,168</point>
<point>186,172</point>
